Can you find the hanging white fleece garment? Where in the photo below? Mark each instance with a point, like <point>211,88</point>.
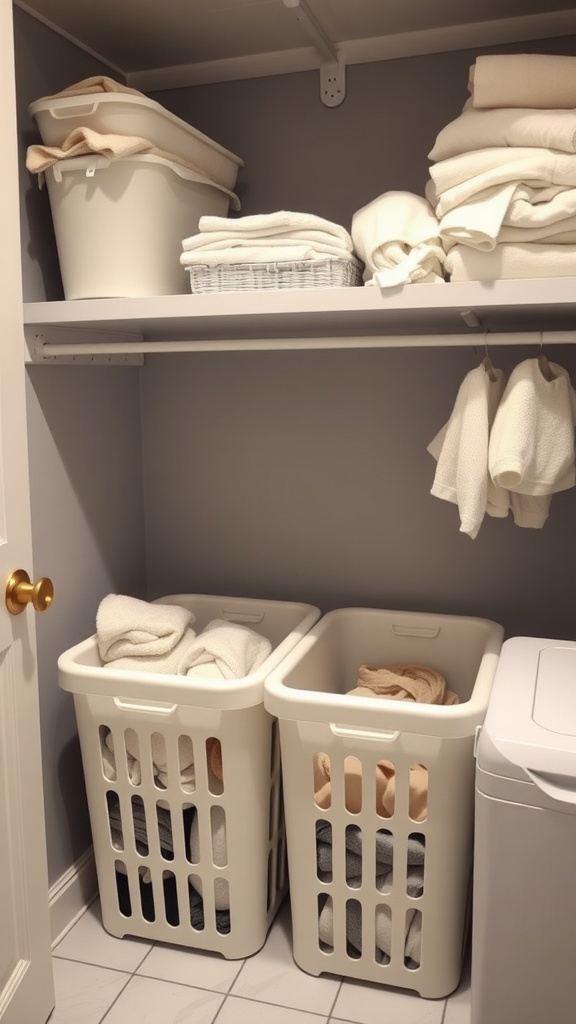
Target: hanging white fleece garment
<point>461,450</point>
<point>531,450</point>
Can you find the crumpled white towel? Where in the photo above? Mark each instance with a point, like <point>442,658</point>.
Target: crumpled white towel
<point>268,225</point>
<point>219,854</point>
<point>227,650</point>
<point>97,83</point>
<point>459,178</point>
<point>461,451</point>
<point>383,927</point>
<point>531,448</point>
<point>510,261</point>
<point>508,126</point>
<point>158,753</point>
<point>523,80</point>
<point>397,237</point>
<point>128,627</point>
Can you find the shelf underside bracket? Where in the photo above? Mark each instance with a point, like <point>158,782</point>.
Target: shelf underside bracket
<point>87,347</point>
<point>332,69</point>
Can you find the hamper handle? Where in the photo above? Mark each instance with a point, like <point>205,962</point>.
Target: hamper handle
<point>380,735</point>
<point>235,616</point>
<point>424,631</point>
<point>149,707</point>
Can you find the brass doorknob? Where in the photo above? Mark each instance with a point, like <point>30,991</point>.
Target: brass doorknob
<point>20,592</point>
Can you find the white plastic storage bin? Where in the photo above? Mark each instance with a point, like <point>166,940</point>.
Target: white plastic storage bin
<point>119,224</point>
<point>196,859</point>
<point>118,113</point>
<point>377,896</point>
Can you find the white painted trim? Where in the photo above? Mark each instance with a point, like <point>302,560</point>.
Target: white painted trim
<point>359,51</point>
<point>71,895</point>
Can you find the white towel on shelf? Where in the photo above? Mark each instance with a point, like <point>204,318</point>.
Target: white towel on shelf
<point>232,650</point>
<point>537,80</point>
<point>396,235</point>
<point>97,83</point>
<point>477,224</point>
<point>263,253</point>
<point>460,178</point>
<point>531,448</point>
<point>478,221</point>
<point>214,240</point>
<point>511,261</point>
<point>267,225</point>
<point>509,126</point>
<point>535,207</point>
<point>461,451</point>
<point>129,627</point>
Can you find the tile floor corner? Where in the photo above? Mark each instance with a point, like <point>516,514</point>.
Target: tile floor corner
<point>103,980</point>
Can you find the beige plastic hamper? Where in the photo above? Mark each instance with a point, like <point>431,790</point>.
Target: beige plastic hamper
<point>194,858</point>
<point>377,897</point>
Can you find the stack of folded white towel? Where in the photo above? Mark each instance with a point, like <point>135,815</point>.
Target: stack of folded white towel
<point>397,237</point>
<point>503,184</point>
<point>136,636</point>
<point>283,236</point>
<point>507,446</point>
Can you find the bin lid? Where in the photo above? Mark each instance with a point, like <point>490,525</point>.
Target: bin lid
<point>529,732</point>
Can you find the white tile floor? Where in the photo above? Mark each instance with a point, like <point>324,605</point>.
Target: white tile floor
<point>129,981</point>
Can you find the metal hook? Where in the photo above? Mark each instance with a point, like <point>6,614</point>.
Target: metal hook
<point>487,364</point>
<point>545,368</point>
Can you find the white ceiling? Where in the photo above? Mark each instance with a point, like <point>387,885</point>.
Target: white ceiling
<point>207,40</point>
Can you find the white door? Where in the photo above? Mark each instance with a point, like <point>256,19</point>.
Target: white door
<point>26,990</point>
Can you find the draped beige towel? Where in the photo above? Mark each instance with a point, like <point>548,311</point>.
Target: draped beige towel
<point>403,682</point>
<point>411,682</point>
<point>85,141</point>
<point>97,83</point>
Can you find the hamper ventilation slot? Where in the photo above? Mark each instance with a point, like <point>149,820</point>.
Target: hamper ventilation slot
<point>107,753</point>
<point>170,898</point>
<point>354,929</point>
<point>413,952</point>
<point>354,863</point>
<point>186,762</point>
<point>219,838</point>
<point>115,820</point>
<point>418,798</point>
<point>215,766</point>
<point>383,928</point>
<point>165,836</point>
<point>188,813</point>
<point>131,755</point>
<point>325,925</point>
<point>196,905</point>
<point>139,826</point>
<point>384,859</point>
<point>321,771</point>
<point>158,755</point>
<point>324,850</point>
<point>146,894</point>
<point>122,889</point>
<point>416,859</point>
<point>353,784</point>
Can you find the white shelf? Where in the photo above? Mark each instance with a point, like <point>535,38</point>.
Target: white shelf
<point>340,316</point>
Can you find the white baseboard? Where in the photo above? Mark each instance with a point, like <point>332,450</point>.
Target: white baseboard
<point>71,895</point>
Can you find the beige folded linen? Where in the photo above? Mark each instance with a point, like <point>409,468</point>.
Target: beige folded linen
<point>396,236</point>
<point>511,261</point>
<point>385,787</point>
<point>465,225</point>
<point>509,126</point>
<point>97,83</point>
<point>267,251</point>
<point>523,80</point>
<point>85,141</point>
<point>412,682</point>
<point>534,207</point>
<point>460,178</point>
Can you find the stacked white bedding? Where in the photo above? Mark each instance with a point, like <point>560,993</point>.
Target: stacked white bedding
<point>503,184</point>
<point>282,236</point>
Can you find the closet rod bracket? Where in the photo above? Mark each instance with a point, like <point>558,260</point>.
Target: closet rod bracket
<point>38,341</point>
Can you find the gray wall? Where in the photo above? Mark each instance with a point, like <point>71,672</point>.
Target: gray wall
<point>284,475</point>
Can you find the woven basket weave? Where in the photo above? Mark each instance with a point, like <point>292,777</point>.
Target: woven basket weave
<point>244,277</point>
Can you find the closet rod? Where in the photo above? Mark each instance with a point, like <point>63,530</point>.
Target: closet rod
<point>44,350</point>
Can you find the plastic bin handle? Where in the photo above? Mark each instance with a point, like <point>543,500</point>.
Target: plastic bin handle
<point>424,631</point>
<point>559,787</point>
<point>61,113</point>
<point>237,616</point>
<point>379,735</point>
<point>150,707</point>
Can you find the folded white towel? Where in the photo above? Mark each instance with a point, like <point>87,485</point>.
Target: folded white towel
<point>509,126</point>
<point>480,224</point>
<point>461,451</point>
<point>234,650</point>
<point>175,662</point>
<point>212,241</point>
<point>531,449</point>
<point>266,225</point>
<point>97,83</point>
<point>128,627</point>
<point>523,80</point>
<point>511,261</point>
<point>460,178</point>
<point>535,207</point>
<point>263,253</point>
<point>396,235</point>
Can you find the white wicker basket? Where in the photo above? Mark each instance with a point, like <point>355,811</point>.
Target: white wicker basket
<point>244,277</point>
